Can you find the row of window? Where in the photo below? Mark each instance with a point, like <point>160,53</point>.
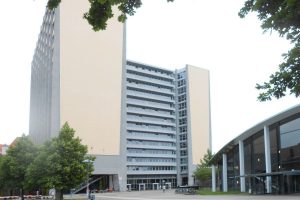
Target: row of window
<point>183,160</point>
<point>151,151</point>
<point>151,168</point>
<point>146,76</point>
<point>156,135</point>
<point>183,168</point>
<point>149,102</point>
<point>181,90</point>
<point>152,70</point>
<point>150,94</point>
<point>181,75</point>
<point>148,110</point>
<point>160,160</point>
<point>182,113</point>
<point>181,82</point>
<point>158,127</point>
<point>156,143</point>
<point>151,85</point>
<point>182,105</point>
<point>183,152</point>
<point>142,117</point>
<point>181,98</point>
<point>183,137</point>
<point>183,121</point>
<point>183,129</point>
<point>183,145</point>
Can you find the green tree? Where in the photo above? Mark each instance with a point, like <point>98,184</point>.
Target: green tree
<point>202,174</point>
<point>101,10</point>
<point>282,16</point>
<point>14,164</point>
<point>203,170</point>
<point>1,175</point>
<point>204,162</point>
<point>61,163</point>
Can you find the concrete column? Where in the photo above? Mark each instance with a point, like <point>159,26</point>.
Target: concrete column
<point>213,178</point>
<point>268,158</point>
<point>242,166</point>
<point>110,181</point>
<point>224,177</point>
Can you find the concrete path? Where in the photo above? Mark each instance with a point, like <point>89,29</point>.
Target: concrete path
<point>170,195</point>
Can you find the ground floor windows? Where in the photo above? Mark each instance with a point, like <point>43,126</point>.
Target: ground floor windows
<point>281,184</point>
<point>151,183</point>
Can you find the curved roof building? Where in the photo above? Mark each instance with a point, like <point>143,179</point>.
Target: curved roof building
<point>263,159</point>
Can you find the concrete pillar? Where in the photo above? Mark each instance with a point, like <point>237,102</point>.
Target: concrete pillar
<point>116,184</point>
<point>110,181</point>
<point>268,158</point>
<point>213,178</point>
<point>242,166</point>
<point>224,177</point>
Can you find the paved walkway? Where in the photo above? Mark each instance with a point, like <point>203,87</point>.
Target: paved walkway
<point>170,195</point>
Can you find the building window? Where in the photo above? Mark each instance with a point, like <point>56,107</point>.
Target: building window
<point>183,152</point>
<point>290,145</point>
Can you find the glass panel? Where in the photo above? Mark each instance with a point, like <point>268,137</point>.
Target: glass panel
<point>248,156</point>
<point>290,145</point>
<point>259,154</point>
<point>274,150</point>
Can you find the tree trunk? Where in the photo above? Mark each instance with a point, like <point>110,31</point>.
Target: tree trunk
<point>22,193</point>
<point>59,194</point>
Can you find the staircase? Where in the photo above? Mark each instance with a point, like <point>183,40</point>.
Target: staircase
<point>85,184</point>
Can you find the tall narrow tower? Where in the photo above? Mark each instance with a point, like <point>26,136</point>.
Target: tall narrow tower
<point>193,120</point>
<point>77,77</point>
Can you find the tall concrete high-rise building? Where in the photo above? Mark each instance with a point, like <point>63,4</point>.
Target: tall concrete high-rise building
<point>146,125</point>
<point>72,82</point>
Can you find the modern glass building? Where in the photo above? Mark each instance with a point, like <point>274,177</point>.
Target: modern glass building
<point>264,159</point>
<point>146,125</point>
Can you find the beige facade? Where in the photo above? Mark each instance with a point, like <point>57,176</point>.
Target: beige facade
<point>199,109</point>
<point>90,99</point>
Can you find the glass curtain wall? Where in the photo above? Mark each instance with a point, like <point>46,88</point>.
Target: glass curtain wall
<point>233,171</point>
<point>290,154</point>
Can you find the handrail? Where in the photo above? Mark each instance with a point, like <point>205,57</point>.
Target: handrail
<point>85,184</point>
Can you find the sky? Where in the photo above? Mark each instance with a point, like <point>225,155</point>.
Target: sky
<point>207,34</point>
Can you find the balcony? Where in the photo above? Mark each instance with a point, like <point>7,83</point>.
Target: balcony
<point>147,120</point>
<point>150,112</point>
<point>150,80</point>
<point>150,138</point>
<point>151,155</point>
<point>143,146</point>
<point>150,96</point>
<point>134,163</point>
<point>151,88</point>
<point>150,129</point>
<point>153,73</point>
<point>149,104</point>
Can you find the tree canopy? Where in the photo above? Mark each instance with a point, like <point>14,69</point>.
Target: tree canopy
<point>204,162</point>
<point>61,163</point>
<point>203,170</point>
<point>14,164</point>
<point>101,10</point>
<point>282,16</point>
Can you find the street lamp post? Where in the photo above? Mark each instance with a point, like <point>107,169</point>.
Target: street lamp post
<point>87,180</point>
